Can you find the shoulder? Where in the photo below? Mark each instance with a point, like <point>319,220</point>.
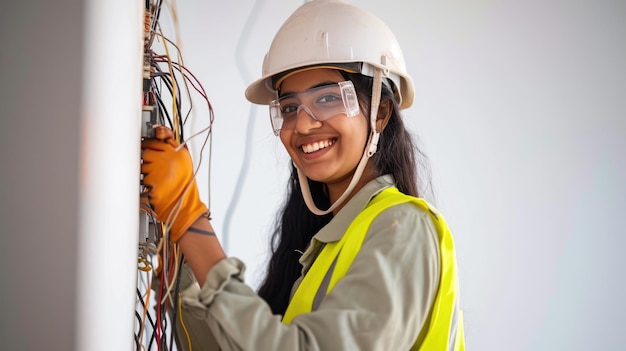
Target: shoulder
<point>405,219</point>
<point>403,239</point>
<point>405,227</point>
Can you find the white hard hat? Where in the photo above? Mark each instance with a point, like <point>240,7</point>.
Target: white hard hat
<point>335,34</point>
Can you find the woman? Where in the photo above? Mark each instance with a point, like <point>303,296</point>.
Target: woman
<point>358,262</point>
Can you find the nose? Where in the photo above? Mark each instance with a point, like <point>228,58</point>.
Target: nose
<point>306,120</point>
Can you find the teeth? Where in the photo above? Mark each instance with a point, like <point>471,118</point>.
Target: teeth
<point>316,146</point>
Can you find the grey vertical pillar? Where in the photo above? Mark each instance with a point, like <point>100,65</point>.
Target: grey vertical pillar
<point>66,250</point>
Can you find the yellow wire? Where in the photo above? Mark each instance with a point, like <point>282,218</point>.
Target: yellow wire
<point>179,69</point>
<point>177,126</point>
<point>180,314</point>
<point>172,283</point>
<point>177,130</point>
<point>145,310</point>
<point>161,250</point>
<point>146,265</point>
<point>173,7</point>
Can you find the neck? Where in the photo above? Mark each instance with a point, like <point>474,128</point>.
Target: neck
<point>348,190</point>
<point>336,189</point>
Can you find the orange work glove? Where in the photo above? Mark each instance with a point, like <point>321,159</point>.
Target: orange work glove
<point>169,175</point>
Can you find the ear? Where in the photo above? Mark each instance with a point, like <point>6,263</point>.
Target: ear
<point>384,114</point>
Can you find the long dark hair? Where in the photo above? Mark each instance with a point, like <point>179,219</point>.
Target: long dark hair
<point>295,226</point>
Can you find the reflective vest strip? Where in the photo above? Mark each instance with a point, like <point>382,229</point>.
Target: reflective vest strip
<point>445,330</point>
<point>302,300</point>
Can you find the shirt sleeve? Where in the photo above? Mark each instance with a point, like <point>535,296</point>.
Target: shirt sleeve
<point>381,303</point>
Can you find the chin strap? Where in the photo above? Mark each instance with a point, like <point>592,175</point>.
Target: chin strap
<point>370,150</point>
<point>376,92</point>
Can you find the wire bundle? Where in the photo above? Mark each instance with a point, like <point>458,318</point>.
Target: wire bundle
<point>167,89</point>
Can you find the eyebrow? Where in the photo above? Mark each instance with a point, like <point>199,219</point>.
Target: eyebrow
<point>282,94</point>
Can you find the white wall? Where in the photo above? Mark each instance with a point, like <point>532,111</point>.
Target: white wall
<point>520,107</point>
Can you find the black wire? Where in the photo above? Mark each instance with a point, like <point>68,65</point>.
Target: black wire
<point>150,320</point>
<point>161,326</point>
<point>176,297</point>
<point>178,105</point>
<point>154,89</point>
<point>137,335</point>
<point>163,307</point>
<point>147,314</point>
<point>165,79</point>
<point>169,79</point>
<point>181,71</point>
<point>177,67</point>
<point>162,108</point>
<point>157,13</point>
<point>152,337</point>
<point>139,321</point>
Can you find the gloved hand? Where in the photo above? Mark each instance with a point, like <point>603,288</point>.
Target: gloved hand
<point>169,175</point>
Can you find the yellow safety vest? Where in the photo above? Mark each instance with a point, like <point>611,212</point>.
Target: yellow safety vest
<point>445,328</point>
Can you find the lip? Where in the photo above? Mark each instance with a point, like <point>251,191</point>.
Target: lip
<point>318,153</point>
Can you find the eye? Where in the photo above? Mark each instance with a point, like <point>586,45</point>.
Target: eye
<point>288,109</point>
<point>328,98</point>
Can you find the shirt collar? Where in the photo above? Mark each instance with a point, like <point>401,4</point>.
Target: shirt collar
<point>335,229</point>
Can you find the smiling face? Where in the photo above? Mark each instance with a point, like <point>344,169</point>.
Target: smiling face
<point>326,151</point>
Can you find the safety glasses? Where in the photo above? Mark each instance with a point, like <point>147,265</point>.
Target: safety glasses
<point>321,103</point>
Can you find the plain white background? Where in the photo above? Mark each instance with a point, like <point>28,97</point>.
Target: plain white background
<point>520,108</point>
<point>519,105</point>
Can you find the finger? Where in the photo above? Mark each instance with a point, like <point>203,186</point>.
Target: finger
<point>166,135</point>
<point>157,145</point>
<point>172,142</point>
<point>152,157</point>
<point>150,182</point>
<point>163,132</point>
<point>147,168</point>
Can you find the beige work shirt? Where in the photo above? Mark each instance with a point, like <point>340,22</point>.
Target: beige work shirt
<point>381,304</point>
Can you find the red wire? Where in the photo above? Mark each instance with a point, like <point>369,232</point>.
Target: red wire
<point>172,263</point>
<point>158,324</point>
<point>161,288</point>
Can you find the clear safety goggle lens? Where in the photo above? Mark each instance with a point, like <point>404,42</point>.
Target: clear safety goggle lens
<point>321,103</point>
